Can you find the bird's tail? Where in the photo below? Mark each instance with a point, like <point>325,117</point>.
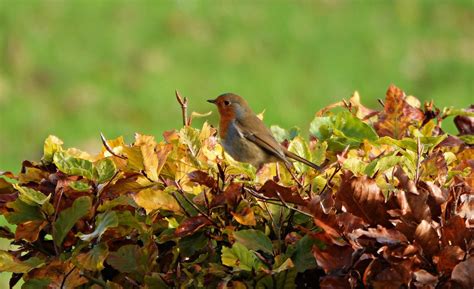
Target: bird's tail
<point>303,160</point>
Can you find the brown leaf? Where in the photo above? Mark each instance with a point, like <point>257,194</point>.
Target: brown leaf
<point>448,258</point>
<point>191,225</point>
<point>397,115</point>
<point>424,279</point>
<point>416,200</point>
<point>381,234</point>
<point>427,238</point>
<point>29,230</point>
<point>454,232</point>
<point>202,178</point>
<point>463,273</point>
<point>334,282</point>
<point>62,274</point>
<point>289,195</point>
<point>362,197</point>
<point>333,257</point>
<point>465,124</point>
<point>231,196</point>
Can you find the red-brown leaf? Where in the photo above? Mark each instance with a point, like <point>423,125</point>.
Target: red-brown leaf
<point>202,178</point>
<point>191,225</point>
<point>333,257</point>
<point>427,238</point>
<point>463,273</point>
<point>289,195</point>
<point>397,114</point>
<point>362,197</point>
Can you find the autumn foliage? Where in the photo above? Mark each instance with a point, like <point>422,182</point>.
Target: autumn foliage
<point>393,207</point>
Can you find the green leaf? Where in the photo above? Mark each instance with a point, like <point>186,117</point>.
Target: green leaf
<point>279,133</point>
<point>36,283</point>
<point>382,164</point>
<point>300,147</point>
<point>73,166</point>
<point>239,257</point>
<point>189,245</point>
<point>79,186</point>
<point>469,139</point>
<point>30,196</point>
<point>155,282</point>
<point>51,145</point>
<point>93,260</point>
<point>104,170</point>
<point>301,254</point>
<point>341,130</point>
<point>254,240</point>
<point>355,165</point>
<point>131,259</point>
<point>22,212</point>
<point>68,218</point>
<point>105,220</point>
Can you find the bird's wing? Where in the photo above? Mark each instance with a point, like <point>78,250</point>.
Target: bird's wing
<point>255,131</point>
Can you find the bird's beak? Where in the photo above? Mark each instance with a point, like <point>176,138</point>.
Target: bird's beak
<point>211,101</point>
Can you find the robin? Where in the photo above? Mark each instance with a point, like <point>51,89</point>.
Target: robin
<point>246,138</point>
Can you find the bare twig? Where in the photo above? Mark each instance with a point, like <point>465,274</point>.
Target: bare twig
<point>109,149</point>
<point>181,205</point>
<point>278,202</point>
<point>183,102</point>
<point>181,192</point>
<point>381,102</point>
<point>65,277</point>
<point>338,168</point>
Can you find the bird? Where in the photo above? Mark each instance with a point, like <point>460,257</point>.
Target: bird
<point>245,137</point>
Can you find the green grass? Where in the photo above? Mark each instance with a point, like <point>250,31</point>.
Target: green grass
<point>76,68</point>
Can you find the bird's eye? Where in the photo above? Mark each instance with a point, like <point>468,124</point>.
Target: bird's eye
<point>226,102</point>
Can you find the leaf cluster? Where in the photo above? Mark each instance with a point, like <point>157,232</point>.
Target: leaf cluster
<point>392,208</point>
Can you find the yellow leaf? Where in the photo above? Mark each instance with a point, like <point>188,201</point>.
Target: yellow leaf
<point>245,217</point>
<point>155,199</point>
<point>147,146</point>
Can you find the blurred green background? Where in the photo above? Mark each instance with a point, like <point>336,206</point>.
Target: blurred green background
<point>76,68</point>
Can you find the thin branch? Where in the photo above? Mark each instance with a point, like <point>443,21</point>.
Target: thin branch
<point>181,205</point>
<point>109,149</point>
<point>291,208</point>
<point>338,168</point>
<point>183,194</point>
<point>183,102</point>
<point>65,277</point>
<point>275,201</point>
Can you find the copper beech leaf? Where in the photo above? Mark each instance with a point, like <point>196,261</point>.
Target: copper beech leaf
<point>273,190</point>
<point>362,197</point>
<point>245,216</point>
<point>397,115</point>
<point>68,218</point>
<point>463,273</point>
<point>190,225</point>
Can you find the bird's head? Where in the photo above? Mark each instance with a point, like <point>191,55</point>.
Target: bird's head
<point>231,106</point>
